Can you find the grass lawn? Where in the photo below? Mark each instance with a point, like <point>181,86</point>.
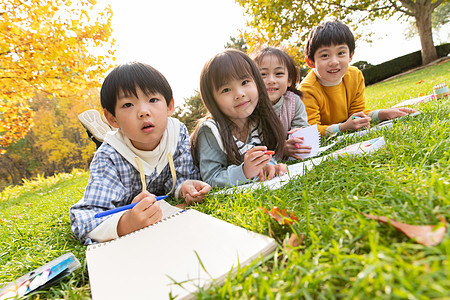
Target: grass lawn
<point>343,255</point>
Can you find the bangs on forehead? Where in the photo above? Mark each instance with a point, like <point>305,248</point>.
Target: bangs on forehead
<point>144,77</point>
<point>273,55</point>
<point>228,67</point>
<point>129,85</point>
<point>328,39</point>
<point>335,33</point>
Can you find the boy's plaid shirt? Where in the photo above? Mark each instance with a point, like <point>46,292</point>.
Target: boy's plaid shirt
<point>114,182</point>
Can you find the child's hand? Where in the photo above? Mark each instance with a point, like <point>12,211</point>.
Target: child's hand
<point>269,171</point>
<point>294,146</point>
<point>255,160</point>
<point>145,213</point>
<point>194,190</point>
<point>355,122</point>
<point>391,113</point>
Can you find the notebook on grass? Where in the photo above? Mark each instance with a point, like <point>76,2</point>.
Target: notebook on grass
<point>362,147</point>
<point>301,168</point>
<point>172,258</point>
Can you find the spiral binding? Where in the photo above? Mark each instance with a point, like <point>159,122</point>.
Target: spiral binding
<point>94,246</point>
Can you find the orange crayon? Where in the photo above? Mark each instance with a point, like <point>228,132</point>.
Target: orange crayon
<point>269,152</point>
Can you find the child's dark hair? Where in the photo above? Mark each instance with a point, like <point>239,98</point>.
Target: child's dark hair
<point>327,33</point>
<point>127,77</point>
<point>229,65</point>
<point>286,60</point>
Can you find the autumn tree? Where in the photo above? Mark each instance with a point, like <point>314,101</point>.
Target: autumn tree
<point>291,20</point>
<point>237,43</point>
<point>56,143</point>
<point>47,47</point>
<point>191,111</point>
<point>439,18</point>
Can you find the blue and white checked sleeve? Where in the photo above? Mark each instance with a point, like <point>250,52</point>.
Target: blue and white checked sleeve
<point>114,182</point>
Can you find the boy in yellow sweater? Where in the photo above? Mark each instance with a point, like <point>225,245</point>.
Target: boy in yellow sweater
<point>334,91</point>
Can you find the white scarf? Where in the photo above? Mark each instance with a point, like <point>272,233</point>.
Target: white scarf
<point>151,160</point>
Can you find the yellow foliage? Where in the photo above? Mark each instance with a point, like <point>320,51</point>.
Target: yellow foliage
<point>15,118</point>
<point>47,46</point>
<point>56,143</point>
<point>59,135</point>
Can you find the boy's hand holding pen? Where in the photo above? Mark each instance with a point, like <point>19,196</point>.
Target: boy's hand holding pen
<point>125,207</point>
<point>355,122</point>
<point>146,211</point>
<point>143,210</point>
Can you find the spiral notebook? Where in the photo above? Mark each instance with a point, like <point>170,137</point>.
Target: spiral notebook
<point>173,257</point>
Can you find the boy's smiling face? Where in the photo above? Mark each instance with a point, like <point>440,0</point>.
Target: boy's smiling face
<point>331,62</point>
<point>143,119</point>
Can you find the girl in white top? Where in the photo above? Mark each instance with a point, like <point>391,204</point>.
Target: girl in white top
<point>280,76</point>
<point>235,142</point>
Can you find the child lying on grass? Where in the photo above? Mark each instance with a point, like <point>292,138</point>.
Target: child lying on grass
<point>333,90</point>
<point>137,100</point>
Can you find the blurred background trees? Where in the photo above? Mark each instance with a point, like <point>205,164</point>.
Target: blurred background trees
<point>191,111</point>
<point>54,55</point>
<point>274,22</point>
<point>49,73</point>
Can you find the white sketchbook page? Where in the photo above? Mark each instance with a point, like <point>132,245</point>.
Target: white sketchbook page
<point>138,266</point>
<point>362,147</point>
<point>311,137</point>
<point>422,99</point>
<point>384,124</point>
<point>167,209</point>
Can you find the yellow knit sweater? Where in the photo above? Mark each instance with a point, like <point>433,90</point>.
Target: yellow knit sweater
<point>328,105</point>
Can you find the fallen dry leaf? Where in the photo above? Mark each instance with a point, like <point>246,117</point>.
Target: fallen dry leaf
<point>420,81</point>
<point>281,216</point>
<point>293,241</point>
<point>422,234</point>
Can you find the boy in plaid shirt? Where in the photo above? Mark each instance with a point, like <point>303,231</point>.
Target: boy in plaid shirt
<point>137,100</point>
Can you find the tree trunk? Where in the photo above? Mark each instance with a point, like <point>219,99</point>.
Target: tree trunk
<point>423,23</point>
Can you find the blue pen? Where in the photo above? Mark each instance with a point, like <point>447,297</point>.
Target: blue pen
<point>355,117</point>
<point>125,207</point>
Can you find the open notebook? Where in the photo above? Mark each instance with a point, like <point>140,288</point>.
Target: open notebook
<point>175,256</point>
